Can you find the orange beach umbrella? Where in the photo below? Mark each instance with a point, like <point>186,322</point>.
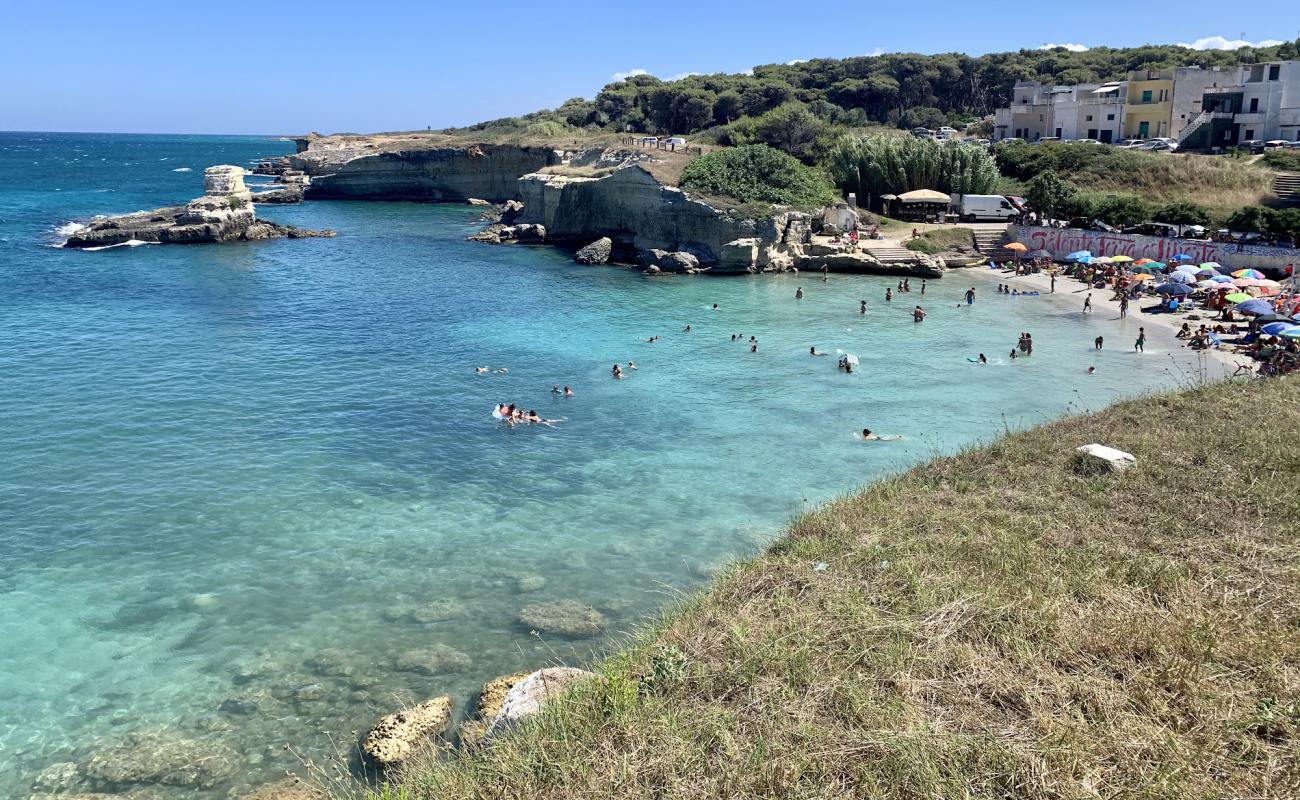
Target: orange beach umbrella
<point>1017,246</point>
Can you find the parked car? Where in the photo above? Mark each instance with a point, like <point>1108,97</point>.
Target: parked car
<point>1085,141</point>
<point>1275,144</point>
<point>946,133</point>
<point>1152,229</point>
<point>1253,146</point>
<point>1086,224</point>
<point>1130,144</point>
<point>1012,140</point>
<point>1293,145</point>
<point>1046,139</point>
<point>1160,146</point>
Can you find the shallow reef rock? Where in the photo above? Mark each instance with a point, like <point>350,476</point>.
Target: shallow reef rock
<point>598,252</point>
<point>146,758</point>
<point>289,789</point>
<point>526,697</point>
<point>568,618</point>
<point>223,214</point>
<point>395,737</point>
<point>437,659</point>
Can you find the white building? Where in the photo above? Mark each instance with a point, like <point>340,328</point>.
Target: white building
<point>1086,111</point>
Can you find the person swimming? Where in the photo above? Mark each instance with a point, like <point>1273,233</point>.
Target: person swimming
<point>617,372</point>
<point>688,329</point>
<point>982,359</point>
<point>631,364</point>
<point>1014,355</point>
<point>812,351</point>
<point>715,306</point>
<point>753,348</point>
<point>568,392</point>
<point>481,370</point>
<point>1091,370</point>
<point>555,390</point>
<point>502,371</point>
<point>868,436</point>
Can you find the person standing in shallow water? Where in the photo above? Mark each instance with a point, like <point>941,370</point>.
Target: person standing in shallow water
<point>970,296</point>
<point>918,315</point>
<point>1141,344</point>
<point>1096,343</point>
<point>1087,303</point>
<point>923,287</point>
<point>798,293</point>
<point>889,295</point>
<point>862,306</point>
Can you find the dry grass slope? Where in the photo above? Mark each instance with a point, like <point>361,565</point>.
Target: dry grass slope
<point>989,625</point>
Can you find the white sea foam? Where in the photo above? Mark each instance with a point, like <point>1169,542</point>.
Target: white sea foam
<point>67,229</point>
<point>127,243</point>
<point>182,169</point>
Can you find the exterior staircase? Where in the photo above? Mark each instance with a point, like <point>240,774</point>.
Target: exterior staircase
<point>992,243</point>
<point>888,253</point>
<point>1287,188</point>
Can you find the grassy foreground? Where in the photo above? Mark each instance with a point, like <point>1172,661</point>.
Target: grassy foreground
<point>994,624</point>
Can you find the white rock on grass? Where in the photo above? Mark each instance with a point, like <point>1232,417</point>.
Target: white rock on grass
<point>526,697</point>
<point>1099,458</point>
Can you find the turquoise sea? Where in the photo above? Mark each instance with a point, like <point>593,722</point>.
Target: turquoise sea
<point>244,487</point>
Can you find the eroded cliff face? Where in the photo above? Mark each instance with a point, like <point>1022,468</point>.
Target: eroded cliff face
<point>435,174</point>
<point>631,207</point>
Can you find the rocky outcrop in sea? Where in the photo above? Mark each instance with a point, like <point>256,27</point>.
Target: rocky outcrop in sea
<point>225,213</point>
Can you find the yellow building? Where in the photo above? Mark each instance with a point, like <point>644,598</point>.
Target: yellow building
<point>1150,108</point>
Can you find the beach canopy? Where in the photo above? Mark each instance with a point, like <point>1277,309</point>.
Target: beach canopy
<point>1079,255</point>
<point>1017,246</point>
<point>1175,289</point>
<point>1254,306</point>
<point>1248,273</point>
<point>1279,328</point>
<point>924,196</point>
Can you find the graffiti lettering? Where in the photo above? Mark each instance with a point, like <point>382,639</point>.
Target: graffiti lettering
<point>1063,241</point>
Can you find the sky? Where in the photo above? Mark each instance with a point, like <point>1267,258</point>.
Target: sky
<point>328,66</point>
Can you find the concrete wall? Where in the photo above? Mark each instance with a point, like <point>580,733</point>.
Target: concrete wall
<point>1061,242</point>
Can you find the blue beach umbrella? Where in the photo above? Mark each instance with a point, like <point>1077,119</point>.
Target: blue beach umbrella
<point>1154,266</point>
<point>1187,268</point>
<point>1279,328</point>
<point>1082,256</point>
<point>1174,289</point>
<point>1255,307</point>
<point>1294,333</point>
<point>1182,257</point>
<point>1222,279</point>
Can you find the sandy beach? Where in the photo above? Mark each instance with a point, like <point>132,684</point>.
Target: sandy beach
<point>1212,365</point>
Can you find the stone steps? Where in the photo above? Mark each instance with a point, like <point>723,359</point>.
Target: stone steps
<point>987,241</point>
<point>890,254</point>
<point>1287,187</point>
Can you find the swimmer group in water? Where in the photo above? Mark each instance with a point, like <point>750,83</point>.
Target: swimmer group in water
<point>512,416</point>
<point>485,370</point>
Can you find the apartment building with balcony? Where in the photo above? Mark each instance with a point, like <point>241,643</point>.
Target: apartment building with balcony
<point>1149,110</point>
<point>1262,103</point>
<point>1086,111</point>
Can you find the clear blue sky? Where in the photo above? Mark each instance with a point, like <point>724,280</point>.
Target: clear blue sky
<point>243,67</point>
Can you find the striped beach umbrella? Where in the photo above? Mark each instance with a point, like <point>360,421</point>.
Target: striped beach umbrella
<point>1248,273</point>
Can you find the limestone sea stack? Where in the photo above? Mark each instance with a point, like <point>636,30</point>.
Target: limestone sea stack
<point>224,213</point>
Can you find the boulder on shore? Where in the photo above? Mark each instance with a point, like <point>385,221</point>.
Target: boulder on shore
<point>395,737</point>
<point>527,697</point>
<point>673,260</point>
<point>598,252</point>
<point>568,618</point>
<point>490,700</point>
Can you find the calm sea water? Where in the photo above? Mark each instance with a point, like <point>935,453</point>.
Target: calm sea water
<point>239,484</point>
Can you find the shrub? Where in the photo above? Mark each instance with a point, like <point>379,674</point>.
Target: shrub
<point>1288,160</point>
<point>1182,213</point>
<point>876,165</point>
<point>1252,219</point>
<point>1121,210</point>
<point>793,129</point>
<point>1049,195</point>
<point>235,202</point>
<point>758,173</point>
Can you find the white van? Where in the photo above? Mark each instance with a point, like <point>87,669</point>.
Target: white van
<point>976,207</point>
<point>945,133</point>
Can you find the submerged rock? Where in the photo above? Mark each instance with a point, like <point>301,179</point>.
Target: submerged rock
<point>526,697</point>
<point>57,778</point>
<point>437,659</point>
<point>290,789</point>
<point>395,737</point>
<point>563,618</point>
<point>143,758</point>
<point>598,252</point>
<point>530,583</point>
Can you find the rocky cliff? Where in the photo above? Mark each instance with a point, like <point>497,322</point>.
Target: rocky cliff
<point>223,214</point>
<point>361,170</point>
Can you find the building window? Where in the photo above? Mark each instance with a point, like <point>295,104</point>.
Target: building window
<point>1250,135</point>
<point>1110,117</point>
<point>1146,96</point>
<point>1254,104</point>
<point>1040,117</point>
<point>1089,118</point>
<point>1273,71</point>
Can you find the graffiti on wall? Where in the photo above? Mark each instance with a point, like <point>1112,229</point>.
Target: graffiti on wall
<point>1063,241</point>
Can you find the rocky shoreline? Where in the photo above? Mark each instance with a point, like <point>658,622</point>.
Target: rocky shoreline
<point>225,213</point>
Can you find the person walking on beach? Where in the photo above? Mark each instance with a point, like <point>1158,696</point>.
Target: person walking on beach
<point>1141,343</point>
<point>1087,303</point>
<point>798,293</point>
<point>1096,343</point>
<point>1053,283</point>
<point>970,296</point>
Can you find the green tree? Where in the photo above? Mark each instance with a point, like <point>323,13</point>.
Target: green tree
<point>793,129</point>
<point>1251,219</point>
<point>1049,195</point>
<point>1122,210</point>
<point>1285,222</point>
<point>757,173</point>
<point>886,164</point>
<point>726,108</point>
<point>922,117</point>
<point>1182,213</point>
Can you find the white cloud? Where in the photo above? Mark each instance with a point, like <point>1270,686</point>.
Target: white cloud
<point>794,61</point>
<point>632,73</point>
<point>879,51</point>
<point>1073,48</point>
<point>681,75</point>
<point>1221,43</point>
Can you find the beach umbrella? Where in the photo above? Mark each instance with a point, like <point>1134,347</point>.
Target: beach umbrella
<point>1182,257</point>
<point>1224,279</point>
<point>1214,265</point>
<point>1279,328</point>
<point>1248,273</point>
<point>1038,254</point>
<point>1101,260</point>
<point>1254,306</point>
<point>1275,318</point>
<point>1206,272</point>
<point>1079,255</point>
<point>1017,246</point>
<point>1142,276</point>
<point>1154,266</point>
<point>1120,259</point>
<point>1207,284</point>
<point>1237,297</point>
<point>1294,333</point>
<point>1181,277</point>
<point>1187,269</point>
<point>1263,283</point>
<point>1142,261</point>
<point>1175,289</point>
